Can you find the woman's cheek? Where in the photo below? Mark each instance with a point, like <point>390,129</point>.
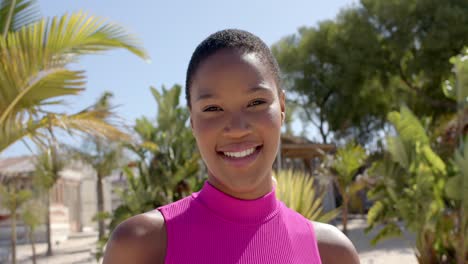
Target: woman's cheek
<point>206,128</point>
<point>271,118</point>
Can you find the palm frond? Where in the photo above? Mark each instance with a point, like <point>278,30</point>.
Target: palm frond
<point>89,122</point>
<point>92,122</point>
<point>347,162</point>
<point>33,59</point>
<point>25,12</point>
<point>300,193</point>
<point>53,84</point>
<point>12,130</point>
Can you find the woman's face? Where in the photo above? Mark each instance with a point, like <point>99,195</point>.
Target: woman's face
<point>236,117</point>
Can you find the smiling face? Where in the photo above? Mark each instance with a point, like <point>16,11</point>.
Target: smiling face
<point>236,116</point>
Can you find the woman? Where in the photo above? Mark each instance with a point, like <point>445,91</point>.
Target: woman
<point>236,111</point>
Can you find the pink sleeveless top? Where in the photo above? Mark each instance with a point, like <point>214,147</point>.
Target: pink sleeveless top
<point>212,227</point>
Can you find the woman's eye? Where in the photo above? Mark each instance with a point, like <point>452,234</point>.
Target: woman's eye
<point>212,109</point>
<point>256,102</point>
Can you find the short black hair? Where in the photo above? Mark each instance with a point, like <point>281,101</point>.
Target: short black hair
<point>230,39</point>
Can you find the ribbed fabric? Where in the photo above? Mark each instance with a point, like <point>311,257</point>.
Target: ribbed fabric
<point>212,227</point>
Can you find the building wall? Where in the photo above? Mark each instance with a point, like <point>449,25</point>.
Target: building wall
<point>88,204</point>
<point>107,185</point>
<point>76,190</point>
<point>71,199</point>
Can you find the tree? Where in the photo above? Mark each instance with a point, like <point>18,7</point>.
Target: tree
<point>48,164</point>
<point>348,73</point>
<point>344,168</point>
<point>32,215</point>
<point>12,199</point>
<point>414,184</point>
<point>35,53</point>
<point>408,185</point>
<point>457,186</point>
<point>103,155</point>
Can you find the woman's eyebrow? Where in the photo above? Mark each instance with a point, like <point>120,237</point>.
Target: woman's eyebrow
<point>259,88</point>
<point>255,89</point>
<point>205,96</point>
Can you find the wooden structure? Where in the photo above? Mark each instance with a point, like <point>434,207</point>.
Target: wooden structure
<point>300,153</point>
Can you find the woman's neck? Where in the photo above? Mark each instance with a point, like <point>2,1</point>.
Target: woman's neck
<point>249,193</point>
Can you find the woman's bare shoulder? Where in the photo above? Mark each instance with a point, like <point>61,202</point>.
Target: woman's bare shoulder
<point>139,239</point>
<point>334,246</point>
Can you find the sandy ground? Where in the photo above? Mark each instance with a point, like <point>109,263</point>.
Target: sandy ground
<point>395,250</point>
<point>77,250</point>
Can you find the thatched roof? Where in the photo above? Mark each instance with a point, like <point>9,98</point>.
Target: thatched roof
<point>297,147</point>
<point>22,166</point>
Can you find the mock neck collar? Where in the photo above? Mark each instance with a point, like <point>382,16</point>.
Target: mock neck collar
<point>237,210</point>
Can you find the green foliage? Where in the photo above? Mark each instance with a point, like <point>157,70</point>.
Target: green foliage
<point>410,179</point>
<point>167,162</point>
<point>347,162</point>
<point>48,164</point>
<point>13,198</point>
<point>167,168</point>
<point>343,168</point>
<point>102,154</point>
<point>33,214</point>
<point>457,185</point>
<point>374,56</point>
<point>414,185</point>
<point>101,216</point>
<point>300,192</point>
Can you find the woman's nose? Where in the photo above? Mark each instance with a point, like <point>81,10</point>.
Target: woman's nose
<point>237,126</point>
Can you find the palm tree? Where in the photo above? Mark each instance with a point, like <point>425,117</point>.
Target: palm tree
<point>48,165</point>
<point>32,216</point>
<point>34,56</point>
<point>103,155</point>
<point>299,192</point>
<point>12,199</point>
<point>344,168</point>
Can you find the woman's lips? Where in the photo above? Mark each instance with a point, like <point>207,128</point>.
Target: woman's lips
<point>242,161</point>
<point>238,147</point>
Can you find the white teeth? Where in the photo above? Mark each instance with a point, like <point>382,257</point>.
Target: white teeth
<point>240,154</point>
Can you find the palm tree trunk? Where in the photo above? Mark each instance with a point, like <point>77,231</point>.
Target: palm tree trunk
<point>345,215</point>
<point>33,246</point>
<point>13,236</point>
<point>48,226</point>
<point>100,205</point>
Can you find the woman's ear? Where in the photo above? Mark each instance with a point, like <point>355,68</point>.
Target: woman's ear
<point>283,105</point>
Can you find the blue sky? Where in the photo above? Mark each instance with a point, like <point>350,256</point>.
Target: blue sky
<point>170,31</point>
